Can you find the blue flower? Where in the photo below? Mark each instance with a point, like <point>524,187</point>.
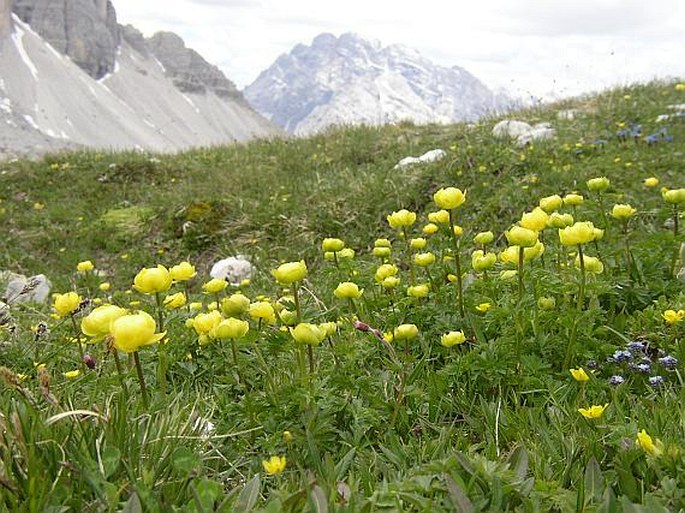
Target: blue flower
<point>669,362</point>
<point>656,381</point>
<point>616,380</point>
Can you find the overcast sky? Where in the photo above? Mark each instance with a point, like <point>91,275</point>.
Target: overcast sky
<point>537,47</point>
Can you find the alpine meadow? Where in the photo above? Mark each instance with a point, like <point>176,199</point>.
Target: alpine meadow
<point>497,330</point>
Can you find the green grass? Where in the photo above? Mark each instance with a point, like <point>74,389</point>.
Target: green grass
<point>488,425</point>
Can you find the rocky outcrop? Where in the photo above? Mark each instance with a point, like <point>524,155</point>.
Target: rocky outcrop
<point>135,38</point>
<point>188,70</point>
<point>5,17</point>
<point>85,30</point>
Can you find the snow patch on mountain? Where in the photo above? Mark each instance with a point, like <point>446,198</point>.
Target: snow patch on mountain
<point>350,80</point>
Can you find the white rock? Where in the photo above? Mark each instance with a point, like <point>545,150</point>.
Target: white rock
<point>540,132</point>
<point>511,128</point>
<point>568,114</point>
<point>662,117</point>
<point>21,289</point>
<point>232,269</point>
<point>429,156</point>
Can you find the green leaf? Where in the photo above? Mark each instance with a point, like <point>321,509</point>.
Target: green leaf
<point>518,462</point>
<point>249,495</point>
<point>208,492</point>
<point>594,481</point>
<point>133,504</point>
<point>461,502</point>
<point>184,460</point>
<point>629,507</point>
<point>318,500</point>
<point>344,464</point>
<point>111,456</point>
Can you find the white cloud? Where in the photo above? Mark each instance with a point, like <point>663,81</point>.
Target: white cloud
<point>537,46</point>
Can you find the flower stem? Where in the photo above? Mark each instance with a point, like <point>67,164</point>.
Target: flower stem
<point>581,288</point>
<point>162,363</point>
<point>141,379</point>
<point>455,247</point>
<point>520,272</point>
<point>298,309</point>
<point>120,372</point>
<point>78,341</point>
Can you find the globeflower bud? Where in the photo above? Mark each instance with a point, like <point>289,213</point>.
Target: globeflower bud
<point>592,264</point>
<point>535,220</point>
<point>215,285</point>
<point>430,229</point>
<point>235,304</point>
<point>557,220</point>
<point>418,291</point>
<point>401,218</point>
<point>449,198</point>
<point>347,290</point>
<point>405,332</point>
<point>551,203</point>
<point>481,261</point>
<point>85,266</point>
<point>329,244</point>
<point>230,329</point>
<point>381,252</point>
<point>182,272</point>
<point>573,200</point>
<point>598,184</point>
<point>290,272</point>
<point>652,181</point>
<point>520,236</point>
<point>384,271</point>
<point>546,303</point>
<point>418,243</point>
<point>484,238</point>
<point>452,338</point>
<point>674,196</point>
<point>382,243</point>
<point>623,212</point>
<point>424,259</point>
<point>579,233</point>
<point>439,217</point>
<point>152,280</point>
<point>390,282</point>
<point>309,334</point>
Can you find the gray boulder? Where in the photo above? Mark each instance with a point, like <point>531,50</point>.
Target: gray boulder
<point>85,30</point>
<point>188,70</point>
<point>20,289</point>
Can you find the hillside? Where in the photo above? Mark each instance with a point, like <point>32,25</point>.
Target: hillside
<point>73,77</point>
<point>419,376</point>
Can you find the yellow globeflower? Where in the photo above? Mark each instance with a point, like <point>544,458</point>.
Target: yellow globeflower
<point>592,264</point>
<point>381,252</point>
<point>309,334</point>
<point>652,181</point>
<point>673,196</point>
<point>418,291</point>
<point>520,236</point>
<point>580,233</point>
<point>174,301</point>
<point>274,465</point>
<point>439,217</point>
<point>651,447</point>
<point>579,374</point>
<point>235,304</point>
<point>484,238</point>
<point>452,338</point>
<point>401,218</point>
<point>382,243</point>
<point>230,328</point>
<point>97,323</point>
<point>557,220</point>
<point>547,303</point>
<point>673,317</point>
<point>598,184</point>
<point>152,280</point>
<point>551,203</point>
<point>390,282</point>
<point>384,271</point>
<point>481,261</point>
<point>347,290</point>
<point>105,286</point>
<point>424,259</point>
<point>623,211</point>
<point>593,412</point>
<point>449,198</point>
<point>183,271</point>
<point>132,331</point>
<point>73,374</point>
<point>85,266</point>
<point>418,243</point>
<point>215,285</point>
<point>573,200</point>
<point>430,229</point>
<point>330,244</point>
<point>290,272</point>
<point>262,310</point>
<point>535,220</point>
<point>405,332</point>
<point>65,304</point>
<point>203,323</point>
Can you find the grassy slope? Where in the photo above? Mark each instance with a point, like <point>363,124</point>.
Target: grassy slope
<point>276,201</point>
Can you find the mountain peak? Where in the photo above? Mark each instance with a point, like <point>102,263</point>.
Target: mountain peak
<point>350,79</point>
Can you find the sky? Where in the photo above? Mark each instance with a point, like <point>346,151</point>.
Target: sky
<point>530,48</point>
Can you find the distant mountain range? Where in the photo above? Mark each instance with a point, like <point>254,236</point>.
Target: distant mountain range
<point>349,80</point>
<point>70,75</point>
